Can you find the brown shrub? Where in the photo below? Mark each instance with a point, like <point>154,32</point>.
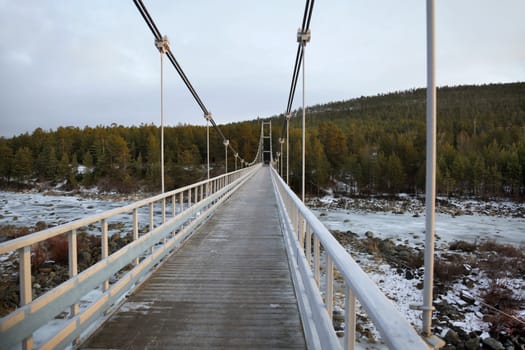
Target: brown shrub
<point>502,249</point>
<point>447,272</point>
<point>58,248</point>
<point>39,255</point>
<point>463,246</point>
<point>501,297</point>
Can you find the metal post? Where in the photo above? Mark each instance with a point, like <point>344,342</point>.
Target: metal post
<point>73,264</point>
<point>163,46</point>
<point>105,249</point>
<point>208,119</point>
<point>288,149</point>
<point>281,141</point>
<point>303,38</point>
<point>24,275</point>
<point>430,187</point>
<point>226,143</point>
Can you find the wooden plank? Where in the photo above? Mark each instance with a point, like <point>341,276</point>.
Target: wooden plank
<point>228,287</point>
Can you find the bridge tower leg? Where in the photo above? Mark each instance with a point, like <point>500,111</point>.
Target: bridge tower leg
<point>267,142</point>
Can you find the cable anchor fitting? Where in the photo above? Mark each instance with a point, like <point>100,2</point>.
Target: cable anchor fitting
<point>163,44</point>
<point>303,37</point>
<point>208,117</point>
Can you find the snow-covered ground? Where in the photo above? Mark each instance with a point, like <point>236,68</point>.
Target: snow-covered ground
<point>470,221</point>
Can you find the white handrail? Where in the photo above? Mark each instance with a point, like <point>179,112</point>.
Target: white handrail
<point>395,330</point>
<point>144,253</point>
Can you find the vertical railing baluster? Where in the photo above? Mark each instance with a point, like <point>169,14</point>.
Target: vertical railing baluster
<point>350,319</point>
<point>329,297</point>
<point>165,238</point>
<point>317,261</point>
<point>298,224</point>
<point>181,202</point>
<point>163,210</point>
<point>152,221</point>
<point>303,232</point>
<point>196,194</point>
<point>174,205</point>
<point>151,217</point>
<point>136,231</point>
<point>309,245</point>
<point>105,248</point>
<point>26,296</point>
<point>73,263</point>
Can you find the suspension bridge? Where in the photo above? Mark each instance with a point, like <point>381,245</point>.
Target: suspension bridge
<point>234,261</point>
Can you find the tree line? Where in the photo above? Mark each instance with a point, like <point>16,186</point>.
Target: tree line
<point>378,144</point>
<point>372,144</point>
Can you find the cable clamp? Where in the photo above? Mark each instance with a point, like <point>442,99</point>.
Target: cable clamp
<point>163,45</point>
<point>208,117</point>
<point>303,37</point>
<point>421,307</point>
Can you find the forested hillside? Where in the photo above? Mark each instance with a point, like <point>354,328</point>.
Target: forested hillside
<point>374,144</point>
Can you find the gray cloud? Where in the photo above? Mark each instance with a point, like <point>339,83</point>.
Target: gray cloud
<point>89,63</point>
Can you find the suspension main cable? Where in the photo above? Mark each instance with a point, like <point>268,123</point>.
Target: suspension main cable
<point>158,36</point>
<point>307,16</point>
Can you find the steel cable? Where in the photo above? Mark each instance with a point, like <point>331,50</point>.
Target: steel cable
<point>158,36</point>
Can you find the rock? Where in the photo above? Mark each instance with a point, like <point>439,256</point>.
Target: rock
<point>493,344</point>
<point>452,337</point>
<point>37,286</point>
<point>369,234</point>
<point>469,283</point>
<point>409,275</point>
<point>473,344</point>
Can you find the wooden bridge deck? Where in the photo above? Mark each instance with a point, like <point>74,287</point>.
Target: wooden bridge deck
<point>228,287</point>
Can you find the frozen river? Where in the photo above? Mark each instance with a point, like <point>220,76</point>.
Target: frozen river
<point>26,209</point>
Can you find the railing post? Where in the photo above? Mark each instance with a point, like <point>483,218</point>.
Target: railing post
<point>303,232</point>
<point>174,205</point>
<point>317,261</point>
<point>105,248</point>
<point>73,263</point>
<point>164,210</point>
<point>350,319</point>
<point>25,286</point>
<point>151,222</point>
<point>151,217</point>
<point>196,194</point>
<point>309,245</point>
<point>181,202</point>
<point>329,297</point>
<point>135,230</point>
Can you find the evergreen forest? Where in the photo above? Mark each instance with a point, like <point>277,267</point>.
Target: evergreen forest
<point>366,145</point>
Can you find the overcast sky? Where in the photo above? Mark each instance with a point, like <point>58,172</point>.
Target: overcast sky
<point>94,62</point>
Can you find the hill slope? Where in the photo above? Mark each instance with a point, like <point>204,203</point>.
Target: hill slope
<point>375,144</point>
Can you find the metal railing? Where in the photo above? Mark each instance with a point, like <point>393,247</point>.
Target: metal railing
<point>304,236</point>
<point>190,206</point>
